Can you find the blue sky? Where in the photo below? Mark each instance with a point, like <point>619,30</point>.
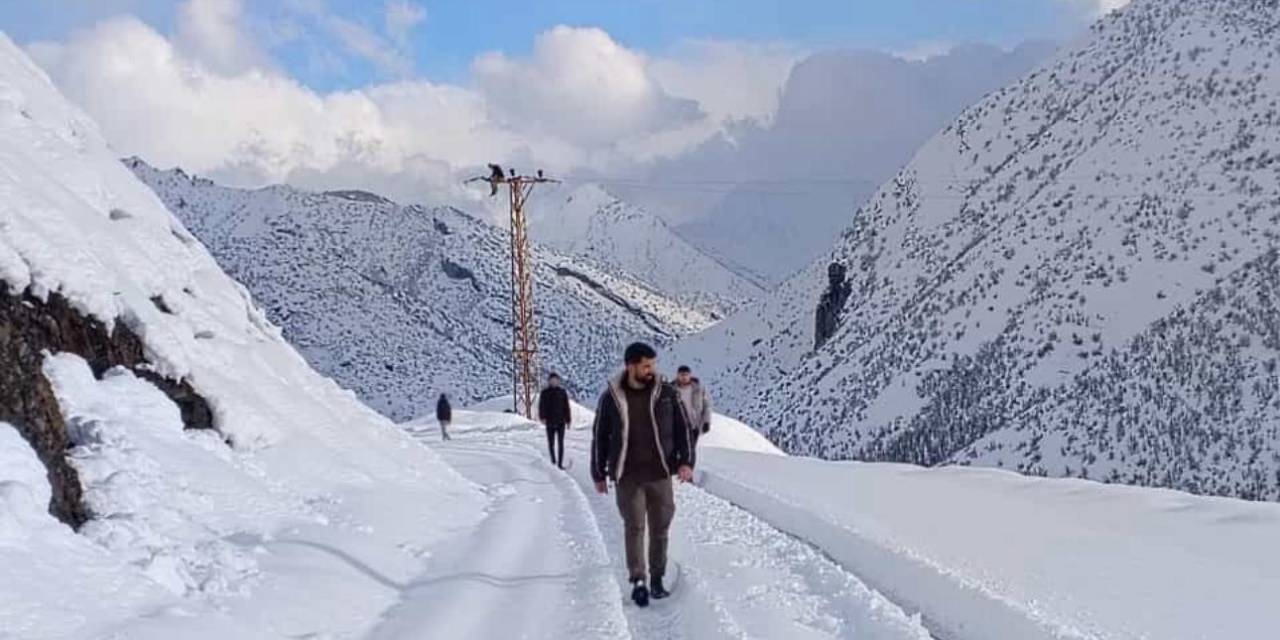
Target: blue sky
<point>442,46</point>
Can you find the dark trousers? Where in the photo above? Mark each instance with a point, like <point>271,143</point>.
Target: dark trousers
<point>555,441</point>
<point>650,505</point>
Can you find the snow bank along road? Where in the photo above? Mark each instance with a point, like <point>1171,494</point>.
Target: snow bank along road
<point>991,554</point>
<point>547,561</point>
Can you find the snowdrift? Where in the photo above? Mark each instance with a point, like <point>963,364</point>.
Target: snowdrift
<point>727,433</point>
<point>270,526</point>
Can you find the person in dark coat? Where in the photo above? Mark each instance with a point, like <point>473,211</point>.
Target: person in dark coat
<point>444,413</point>
<point>554,414</point>
<point>642,437</point>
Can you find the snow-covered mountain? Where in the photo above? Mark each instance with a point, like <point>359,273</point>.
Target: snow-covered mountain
<point>1077,277</point>
<point>592,222</point>
<point>147,401</point>
<point>403,303</point>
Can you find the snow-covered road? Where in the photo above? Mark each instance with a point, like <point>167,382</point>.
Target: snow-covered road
<point>546,562</point>
<point>534,567</point>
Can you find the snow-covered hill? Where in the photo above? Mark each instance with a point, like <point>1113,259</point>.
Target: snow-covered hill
<point>403,303</point>
<point>214,462</point>
<point>590,221</point>
<point>1077,277</point>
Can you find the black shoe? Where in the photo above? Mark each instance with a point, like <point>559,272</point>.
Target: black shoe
<point>639,593</point>
<point>656,590</point>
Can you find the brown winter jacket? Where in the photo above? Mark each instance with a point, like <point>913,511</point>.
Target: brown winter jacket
<point>609,433</point>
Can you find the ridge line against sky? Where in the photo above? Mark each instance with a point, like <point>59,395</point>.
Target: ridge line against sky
<point>398,96</point>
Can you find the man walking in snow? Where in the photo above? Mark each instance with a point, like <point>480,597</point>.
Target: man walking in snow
<point>641,438</point>
<point>554,414</point>
<point>696,401</point>
<point>444,413</point>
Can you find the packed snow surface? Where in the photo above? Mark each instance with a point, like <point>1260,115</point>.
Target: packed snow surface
<point>564,575</point>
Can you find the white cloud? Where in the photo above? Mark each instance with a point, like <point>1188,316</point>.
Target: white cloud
<point>402,17</point>
<point>357,39</point>
<point>580,103</point>
<point>152,100</point>
<point>210,31</point>
<point>846,120</point>
<point>388,54</point>
<point>582,86</point>
<point>728,80</point>
<point>922,51</point>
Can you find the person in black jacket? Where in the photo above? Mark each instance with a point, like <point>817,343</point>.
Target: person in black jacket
<point>554,414</point>
<point>641,437</point>
<point>444,413</point>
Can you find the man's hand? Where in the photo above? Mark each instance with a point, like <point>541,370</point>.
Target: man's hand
<point>602,488</point>
<point>685,473</point>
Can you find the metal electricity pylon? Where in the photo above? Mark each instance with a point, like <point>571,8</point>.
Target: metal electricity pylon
<point>525,373</point>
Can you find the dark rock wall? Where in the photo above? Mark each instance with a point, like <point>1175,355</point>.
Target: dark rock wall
<point>830,306</point>
<point>28,328</point>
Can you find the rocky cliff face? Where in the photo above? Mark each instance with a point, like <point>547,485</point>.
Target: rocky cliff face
<point>831,304</point>
<point>30,327</point>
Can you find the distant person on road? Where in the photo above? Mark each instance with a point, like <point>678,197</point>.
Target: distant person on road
<point>444,413</point>
<point>695,400</point>
<point>554,414</point>
<point>639,440</point>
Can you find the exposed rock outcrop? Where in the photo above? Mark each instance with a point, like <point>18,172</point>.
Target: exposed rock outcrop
<point>29,327</point>
<point>831,304</point>
<point>459,272</point>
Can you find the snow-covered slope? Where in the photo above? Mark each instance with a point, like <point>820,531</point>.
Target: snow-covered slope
<point>1075,278</point>
<point>240,531</point>
<point>590,221</point>
<point>403,303</point>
